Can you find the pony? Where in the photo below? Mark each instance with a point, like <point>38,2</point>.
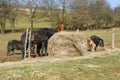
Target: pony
<point>97,40</point>
<point>18,45</point>
<point>91,45</point>
<point>40,38</point>
<point>60,27</point>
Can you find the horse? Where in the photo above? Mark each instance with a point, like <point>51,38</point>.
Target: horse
<point>60,27</point>
<point>91,45</point>
<point>97,40</point>
<point>18,45</point>
<point>40,38</point>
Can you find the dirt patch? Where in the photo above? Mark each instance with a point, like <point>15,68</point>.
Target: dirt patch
<point>11,58</point>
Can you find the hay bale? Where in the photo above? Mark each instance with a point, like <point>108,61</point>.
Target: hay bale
<point>67,44</point>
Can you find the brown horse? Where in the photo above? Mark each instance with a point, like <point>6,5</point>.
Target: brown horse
<point>60,27</point>
<point>91,45</point>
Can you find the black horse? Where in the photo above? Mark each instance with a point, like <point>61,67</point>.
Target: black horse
<point>97,40</point>
<point>18,45</point>
<point>40,38</point>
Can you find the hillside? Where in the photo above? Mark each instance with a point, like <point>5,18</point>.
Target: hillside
<point>103,65</point>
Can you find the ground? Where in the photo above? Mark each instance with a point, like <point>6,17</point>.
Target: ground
<point>99,65</point>
<point>88,55</point>
<point>105,34</point>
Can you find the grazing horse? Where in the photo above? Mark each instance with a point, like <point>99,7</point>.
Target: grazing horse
<point>97,40</point>
<point>91,45</point>
<point>18,45</point>
<point>40,38</point>
<point>60,27</point>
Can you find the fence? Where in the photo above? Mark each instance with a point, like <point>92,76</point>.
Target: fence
<point>111,37</point>
<point>27,40</point>
<point>111,40</point>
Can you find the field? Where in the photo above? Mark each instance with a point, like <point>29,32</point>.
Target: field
<point>100,65</point>
<point>105,34</point>
<point>104,67</point>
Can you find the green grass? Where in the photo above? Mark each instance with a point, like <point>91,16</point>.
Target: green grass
<point>106,68</point>
<point>22,23</point>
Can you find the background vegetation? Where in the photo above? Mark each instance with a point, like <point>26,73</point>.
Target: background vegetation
<point>77,14</point>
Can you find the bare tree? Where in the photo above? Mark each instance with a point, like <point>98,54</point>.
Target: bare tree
<point>56,9</point>
<point>4,10</point>
<point>80,14</point>
<point>29,9</point>
<point>7,11</point>
<point>65,6</point>
<point>48,8</point>
<point>13,12</point>
<point>100,12</point>
<point>116,14</point>
<point>12,17</point>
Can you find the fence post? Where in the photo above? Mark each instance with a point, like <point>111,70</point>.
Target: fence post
<point>77,30</point>
<point>29,44</point>
<point>25,43</point>
<point>113,38</point>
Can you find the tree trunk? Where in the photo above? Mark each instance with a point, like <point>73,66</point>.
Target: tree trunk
<point>2,30</point>
<point>63,10</point>
<point>12,25</point>
<point>3,27</point>
<point>31,24</point>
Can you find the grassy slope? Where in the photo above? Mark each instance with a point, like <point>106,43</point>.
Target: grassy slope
<point>88,69</point>
<point>106,68</point>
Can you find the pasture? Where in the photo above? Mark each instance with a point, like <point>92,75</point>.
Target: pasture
<point>100,65</point>
<point>72,68</point>
<point>105,34</point>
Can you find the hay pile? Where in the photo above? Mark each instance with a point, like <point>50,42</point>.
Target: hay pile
<point>67,44</point>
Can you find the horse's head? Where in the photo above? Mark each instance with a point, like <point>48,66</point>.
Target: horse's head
<point>60,27</point>
<point>101,43</point>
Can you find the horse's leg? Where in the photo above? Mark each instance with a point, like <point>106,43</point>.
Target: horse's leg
<point>8,52</point>
<point>46,54</point>
<point>42,48</point>
<point>45,48</point>
<point>95,47</point>
<point>22,53</point>
<point>13,51</point>
<point>38,49</point>
<point>32,49</point>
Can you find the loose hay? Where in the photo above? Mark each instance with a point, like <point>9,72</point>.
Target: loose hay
<point>67,44</point>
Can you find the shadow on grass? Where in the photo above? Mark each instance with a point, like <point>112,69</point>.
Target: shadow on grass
<point>16,30</point>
